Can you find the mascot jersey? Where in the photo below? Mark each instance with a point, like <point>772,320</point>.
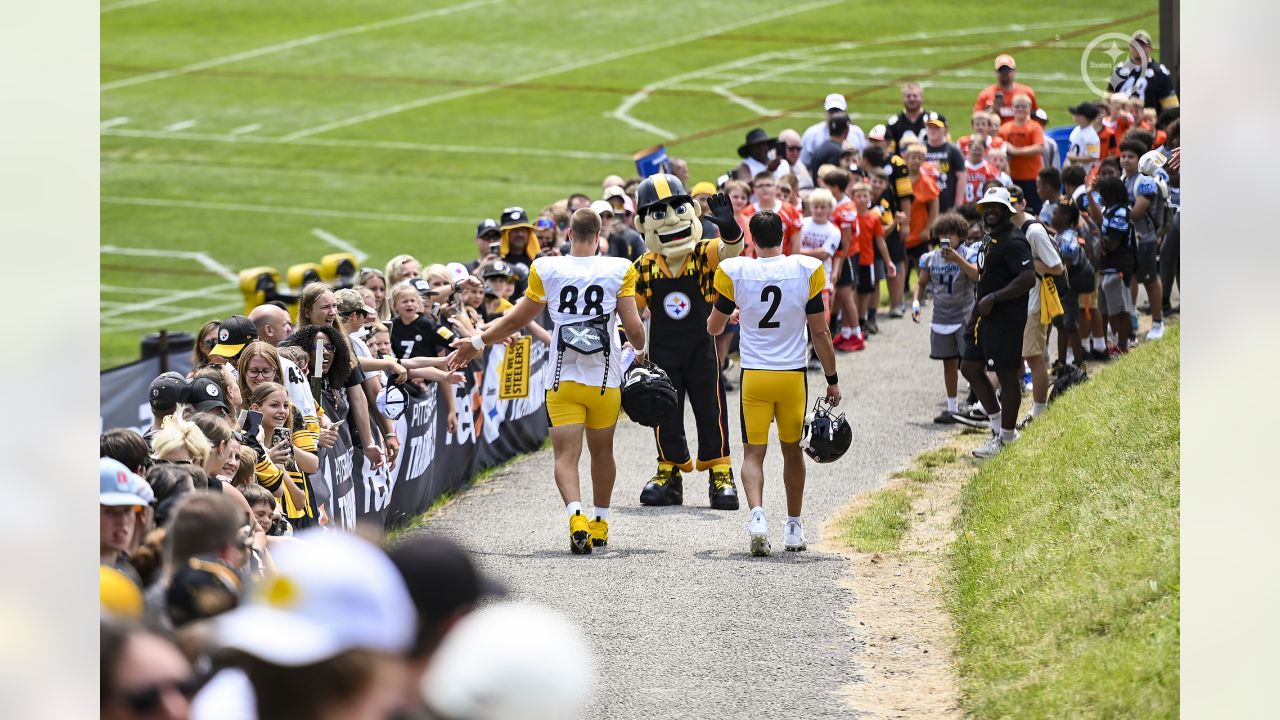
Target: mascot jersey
<point>679,304</point>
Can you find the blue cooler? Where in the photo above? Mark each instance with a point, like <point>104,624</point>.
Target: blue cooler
<point>651,161</point>
<point>1062,136</point>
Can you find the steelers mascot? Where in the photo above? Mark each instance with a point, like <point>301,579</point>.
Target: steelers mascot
<point>675,282</point>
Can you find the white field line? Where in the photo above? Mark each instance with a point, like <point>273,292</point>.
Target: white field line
<point>736,99</point>
<point>213,313</point>
<point>395,145</point>
<point>202,258</point>
<point>108,124</point>
<point>125,4</point>
<point>162,301</point>
<point>254,127</point>
<point>558,70</point>
<point>295,43</point>
<point>180,126</point>
<point>125,290</point>
<point>837,81</point>
<point>282,210</point>
<point>340,244</point>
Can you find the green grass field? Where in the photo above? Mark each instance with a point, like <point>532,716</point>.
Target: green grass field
<point>1065,575</point>
<point>234,131</point>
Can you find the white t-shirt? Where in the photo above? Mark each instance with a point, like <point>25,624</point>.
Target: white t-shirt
<point>299,391</point>
<point>825,237</point>
<point>773,296</point>
<point>1044,250</point>
<point>583,288</point>
<point>755,167</point>
<point>1085,141</point>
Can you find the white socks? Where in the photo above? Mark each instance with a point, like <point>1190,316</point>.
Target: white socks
<point>994,420</point>
<point>1098,343</point>
<point>952,404</point>
<point>795,519</point>
<point>846,332</point>
<point>573,508</point>
<point>1038,409</point>
<point>757,510</point>
<point>1008,435</point>
<point>600,512</point>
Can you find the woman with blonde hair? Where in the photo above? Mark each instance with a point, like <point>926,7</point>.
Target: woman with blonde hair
<point>399,269</point>
<point>180,442</point>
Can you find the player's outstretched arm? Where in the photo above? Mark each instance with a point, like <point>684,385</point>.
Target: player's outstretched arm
<point>522,314</point>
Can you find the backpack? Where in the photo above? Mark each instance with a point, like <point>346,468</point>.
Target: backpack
<point>1068,377</point>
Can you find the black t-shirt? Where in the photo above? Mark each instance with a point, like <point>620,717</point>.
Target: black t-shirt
<point>949,161</point>
<point>420,338</point>
<point>828,153</point>
<point>709,229</point>
<point>900,124</point>
<point>1004,255</point>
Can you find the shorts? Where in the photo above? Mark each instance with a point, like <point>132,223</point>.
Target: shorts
<point>1069,319</point>
<point>1089,300</point>
<point>946,346</point>
<point>1113,296</point>
<point>867,279</point>
<point>769,395</point>
<point>1148,267</point>
<point>848,274</point>
<point>578,404</point>
<point>996,341</point>
<point>1034,337</point>
<point>897,250</point>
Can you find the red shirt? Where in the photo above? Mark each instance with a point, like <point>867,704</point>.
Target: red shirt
<point>845,216</point>
<point>1005,111</point>
<point>978,177</point>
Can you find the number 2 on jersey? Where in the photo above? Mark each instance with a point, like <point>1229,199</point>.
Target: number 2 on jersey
<point>592,297</point>
<point>770,291</point>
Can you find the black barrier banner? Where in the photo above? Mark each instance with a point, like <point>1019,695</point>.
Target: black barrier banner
<point>333,484</point>
<point>122,392</point>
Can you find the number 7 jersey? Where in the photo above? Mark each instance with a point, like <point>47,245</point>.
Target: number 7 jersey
<point>575,289</point>
<point>774,296</point>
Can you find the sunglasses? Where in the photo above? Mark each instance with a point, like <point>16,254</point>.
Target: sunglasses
<point>148,699</point>
<point>160,461</point>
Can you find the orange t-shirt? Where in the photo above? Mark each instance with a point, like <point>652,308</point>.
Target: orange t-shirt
<point>1024,167</point>
<point>868,228</point>
<point>926,188</point>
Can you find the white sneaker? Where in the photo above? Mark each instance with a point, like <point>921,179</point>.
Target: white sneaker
<point>990,447</point>
<point>758,532</point>
<point>793,537</point>
<point>1156,332</point>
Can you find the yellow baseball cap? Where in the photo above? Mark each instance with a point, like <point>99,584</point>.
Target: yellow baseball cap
<point>703,188</point>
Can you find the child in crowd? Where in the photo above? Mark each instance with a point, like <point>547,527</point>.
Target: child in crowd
<point>1079,279</point>
<point>284,465</point>
<point>950,273</point>
<point>413,334</point>
<point>819,237</point>
<point>872,249</point>
<point>999,160</point>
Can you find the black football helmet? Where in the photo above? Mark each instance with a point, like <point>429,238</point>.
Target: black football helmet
<point>660,188</point>
<point>648,395</point>
<point>827,435</point>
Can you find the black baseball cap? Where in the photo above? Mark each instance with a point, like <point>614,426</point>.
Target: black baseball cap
<point>935,118</point>
<point>441,579</point>
<point>488,226</point>
<point>514,217</point>
<point>497,268</point>
<point>233,334</point>
<point>206,587</point>
<point>166,390</point>
<point>423,287</point>
<point>204,395</point>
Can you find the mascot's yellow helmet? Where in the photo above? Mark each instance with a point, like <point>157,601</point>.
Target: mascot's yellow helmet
<point>660,188</point>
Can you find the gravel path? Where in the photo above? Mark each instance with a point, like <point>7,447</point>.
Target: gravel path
<point>685,623</point>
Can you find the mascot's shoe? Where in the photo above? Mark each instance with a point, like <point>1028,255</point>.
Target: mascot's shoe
<point>666,488</point>
<point>599,529</point>
<point>723,493</point>
<point>579,534</point>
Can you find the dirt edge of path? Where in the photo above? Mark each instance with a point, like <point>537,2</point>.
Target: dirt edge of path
<point>899,618</point>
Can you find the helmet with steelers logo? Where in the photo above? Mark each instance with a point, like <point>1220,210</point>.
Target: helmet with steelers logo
<point>827,435</point>
<point>662,188</point>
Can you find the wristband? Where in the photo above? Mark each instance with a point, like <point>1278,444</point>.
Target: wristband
<point>833,379</point>
<point>477,342</point>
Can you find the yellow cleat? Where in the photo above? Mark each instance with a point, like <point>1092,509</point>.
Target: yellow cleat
<point>579,534</point>
<point>599,529</point>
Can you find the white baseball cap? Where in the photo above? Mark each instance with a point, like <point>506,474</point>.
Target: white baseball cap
<point>997,196</point>
<point>602,206</point>
<point>510,661</point>
<point>331,592</point>
<point>457,271</point>
<point>835,101</point>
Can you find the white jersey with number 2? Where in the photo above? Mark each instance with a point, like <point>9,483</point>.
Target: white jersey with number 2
<point>774,296</point>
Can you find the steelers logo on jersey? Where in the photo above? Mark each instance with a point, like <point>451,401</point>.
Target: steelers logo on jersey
<point>677,306</point>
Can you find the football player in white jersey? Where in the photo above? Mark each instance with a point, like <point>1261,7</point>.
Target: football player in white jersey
<point>778,297</point>
<point>585,294</point>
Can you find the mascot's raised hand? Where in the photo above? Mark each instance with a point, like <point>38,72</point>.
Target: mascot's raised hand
<point>722,216</point>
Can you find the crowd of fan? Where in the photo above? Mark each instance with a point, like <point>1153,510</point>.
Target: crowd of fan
<point>210,529</point>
